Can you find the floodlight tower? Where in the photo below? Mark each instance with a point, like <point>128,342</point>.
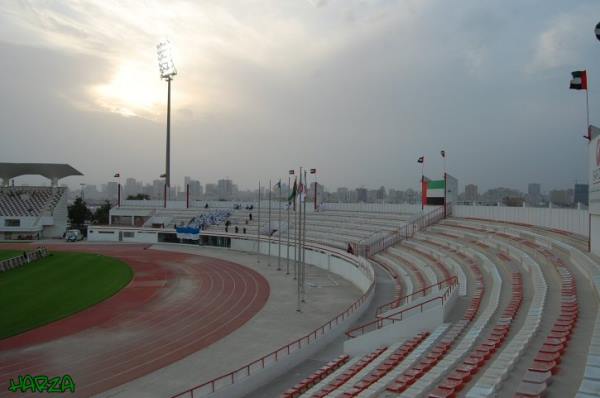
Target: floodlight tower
<point>167,71</point>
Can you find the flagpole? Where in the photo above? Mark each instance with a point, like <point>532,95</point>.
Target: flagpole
<point>299,244</point>
<point>270,230</point>
<point>279,231</point>
<point>587,111</point>
<point>287,269</point>
<point>258,229</point>
<point>295,233</point>
<point>304,241</point>
<point>422,181</point>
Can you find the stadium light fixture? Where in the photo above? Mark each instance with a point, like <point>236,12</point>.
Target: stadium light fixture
<point>167,71</point>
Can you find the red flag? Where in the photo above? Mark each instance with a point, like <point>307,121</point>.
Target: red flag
<point>424,185</point>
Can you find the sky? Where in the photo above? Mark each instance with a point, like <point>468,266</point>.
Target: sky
<point>358,89</point>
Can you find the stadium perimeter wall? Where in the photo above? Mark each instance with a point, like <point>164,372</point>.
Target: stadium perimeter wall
<point>571,220</point>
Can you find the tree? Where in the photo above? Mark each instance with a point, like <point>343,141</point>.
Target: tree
<point>79,212</point>
<point>101,214</point>
<point>139,196</point>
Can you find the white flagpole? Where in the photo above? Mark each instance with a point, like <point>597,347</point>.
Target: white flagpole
<point>304,240</point>
<point>287,271</point>
<point>299,245</point>
<point>587,112</point>
<point>270,230</point>
<point>258,228</point>
<point>279,232</point>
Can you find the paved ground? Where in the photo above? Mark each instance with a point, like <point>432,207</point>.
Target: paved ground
<point>383,294</point>
<point>176,304</point>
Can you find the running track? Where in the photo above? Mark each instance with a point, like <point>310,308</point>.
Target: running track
<point>176,304</point>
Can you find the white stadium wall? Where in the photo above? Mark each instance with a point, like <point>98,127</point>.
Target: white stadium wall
<point>570,220</point>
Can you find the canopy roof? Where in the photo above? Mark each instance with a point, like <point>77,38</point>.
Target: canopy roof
<point>52,171</point>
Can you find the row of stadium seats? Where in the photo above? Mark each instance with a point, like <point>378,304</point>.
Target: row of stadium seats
<point>28,201</point>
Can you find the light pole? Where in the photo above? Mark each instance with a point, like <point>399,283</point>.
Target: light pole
<point>82,185</point>
<point>167,71</point>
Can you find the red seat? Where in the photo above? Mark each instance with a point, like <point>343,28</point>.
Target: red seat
<point>452,384</point>
<point>537,366</point>
<point>441,393</point>
<point>526,389</point>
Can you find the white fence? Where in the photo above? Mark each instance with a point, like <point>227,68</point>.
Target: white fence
<point>571,220</point>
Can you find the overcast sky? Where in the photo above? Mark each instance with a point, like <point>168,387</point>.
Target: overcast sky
<point>355,88</point>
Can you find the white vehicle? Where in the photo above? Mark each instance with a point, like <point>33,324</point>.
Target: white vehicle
<point>73,235</point>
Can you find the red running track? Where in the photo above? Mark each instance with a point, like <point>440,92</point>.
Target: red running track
<point>175,305</point>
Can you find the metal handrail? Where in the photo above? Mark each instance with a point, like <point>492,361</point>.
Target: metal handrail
<point>381,321</point>
<point>421,292</point>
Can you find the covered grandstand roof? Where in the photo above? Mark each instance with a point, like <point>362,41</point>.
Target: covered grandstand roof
<point>52,171</point>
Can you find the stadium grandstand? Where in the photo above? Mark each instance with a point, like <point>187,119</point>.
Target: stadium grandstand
<point>33,212</point>
<point>456,300</point>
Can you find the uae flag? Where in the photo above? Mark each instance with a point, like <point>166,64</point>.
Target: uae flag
<point>117,175</point>
<point>579,80</point>
<point>433,191</point>
<point>421,159</point>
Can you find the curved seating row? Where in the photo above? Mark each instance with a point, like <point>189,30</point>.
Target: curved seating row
<point>317,376</point>
<point>347,373</point>
<point>491,380</point>
<point>477,357</point>
<point>472,333</point>
<point>367,376</point>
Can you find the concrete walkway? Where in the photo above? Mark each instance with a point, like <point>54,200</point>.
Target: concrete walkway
<point>383,293</point>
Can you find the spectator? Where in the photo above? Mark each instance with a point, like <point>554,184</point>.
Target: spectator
<point>350,250</point>
<point>237,230</point>
<point>206,205</point>
<point>250,216</point>
<point>244,229</point>
<point>226,228</point>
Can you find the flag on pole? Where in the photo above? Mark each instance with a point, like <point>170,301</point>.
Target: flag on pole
<point>443,153</point>
<point>579,80</point>
<point>117,175</point>
<point>278,185</point>
<point>163,175</point>
<point>421,159</point>
<point>313,171</point>
<point>292,172</point>
<point>292,197</point>
<point>301,192</point>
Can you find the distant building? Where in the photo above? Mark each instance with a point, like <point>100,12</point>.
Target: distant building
<point>131,187</point>
<point>361,195</point>
<point>224,188</point>
<point>561,197</point>
<point>343,195</point>
<point>112,189</point>
<point>581,194</point>
<point>211,189</point>
<point>471,194</point>
<point>534,194</point>
<point>381,193</point>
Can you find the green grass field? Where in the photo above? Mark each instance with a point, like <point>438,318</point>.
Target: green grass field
<point>4,254</point>
<point>56,287</point>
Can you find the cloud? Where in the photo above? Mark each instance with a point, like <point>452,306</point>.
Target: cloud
<point>355,88</point>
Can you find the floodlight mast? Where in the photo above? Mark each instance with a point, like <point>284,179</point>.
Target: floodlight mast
<point>167,71</point>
